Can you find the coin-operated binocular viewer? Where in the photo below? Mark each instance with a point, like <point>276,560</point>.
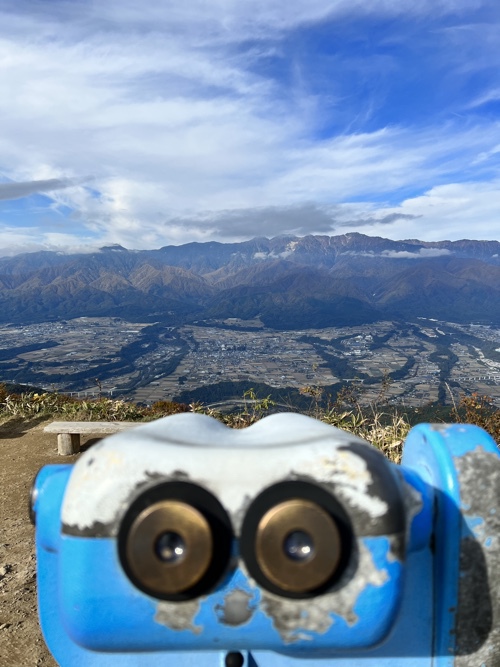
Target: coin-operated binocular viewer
<point>290,543</point>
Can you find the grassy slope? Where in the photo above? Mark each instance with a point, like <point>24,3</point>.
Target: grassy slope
<point>380,424</point>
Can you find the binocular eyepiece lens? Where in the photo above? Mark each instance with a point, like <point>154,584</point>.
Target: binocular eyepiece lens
<point>175,541</point>
<point>285,545</point>
<point>170,547</point>
<point>296,539</point>
<point>298,545</point>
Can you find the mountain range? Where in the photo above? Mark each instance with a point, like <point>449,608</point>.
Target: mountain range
<point>289,282</point>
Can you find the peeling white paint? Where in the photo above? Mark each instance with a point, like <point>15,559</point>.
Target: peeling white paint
<point>294,619</point>
<point>352,479</point>
<point>232,464</point>
<point>179,615</point>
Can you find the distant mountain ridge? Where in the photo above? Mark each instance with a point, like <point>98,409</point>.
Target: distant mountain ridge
<point>290,282</point>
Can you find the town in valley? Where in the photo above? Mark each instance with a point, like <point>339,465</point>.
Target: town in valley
<point>424,361</point>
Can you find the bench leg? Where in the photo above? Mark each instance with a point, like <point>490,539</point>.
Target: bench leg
<point>68,443</point>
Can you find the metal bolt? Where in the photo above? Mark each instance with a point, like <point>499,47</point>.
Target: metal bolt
<point>234,659</point>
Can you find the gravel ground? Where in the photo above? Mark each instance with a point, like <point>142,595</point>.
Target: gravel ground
<point>24,448</point>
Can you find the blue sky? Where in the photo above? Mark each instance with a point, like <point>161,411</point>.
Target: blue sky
<point>156,122</point>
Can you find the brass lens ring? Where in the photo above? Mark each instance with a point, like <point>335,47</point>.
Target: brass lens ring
<point>319,558</point>
<point>296,539</point>
<point>175,541</point>
<point>169,576</point>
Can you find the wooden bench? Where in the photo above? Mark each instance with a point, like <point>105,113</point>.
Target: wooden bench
<point>68,433</point>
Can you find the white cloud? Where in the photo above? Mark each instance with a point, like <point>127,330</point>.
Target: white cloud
<point>32,239</point>
<point>464,210</point>
<point>216,197</point>
<point>487,155</point>
<point>187,139</point>
<point>492,95</point>
<point>423,253</point>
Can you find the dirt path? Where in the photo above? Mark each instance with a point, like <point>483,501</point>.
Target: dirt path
<point>24,449</point>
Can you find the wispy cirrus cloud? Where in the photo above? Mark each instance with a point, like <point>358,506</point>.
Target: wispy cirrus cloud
<point>225,120</point>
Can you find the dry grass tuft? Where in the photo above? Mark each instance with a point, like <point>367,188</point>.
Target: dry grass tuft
<point>381,425</point>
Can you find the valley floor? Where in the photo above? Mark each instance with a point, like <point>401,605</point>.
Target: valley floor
<point>423,361</point>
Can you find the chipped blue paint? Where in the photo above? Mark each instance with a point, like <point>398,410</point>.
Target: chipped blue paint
<point>132,613</point>
<point>440,453</point>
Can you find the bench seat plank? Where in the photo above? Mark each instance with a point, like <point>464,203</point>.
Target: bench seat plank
<point>68,433</point>
<point>88,427</point>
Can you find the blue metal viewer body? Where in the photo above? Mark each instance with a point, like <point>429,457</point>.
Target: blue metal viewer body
<point>184,542</point>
